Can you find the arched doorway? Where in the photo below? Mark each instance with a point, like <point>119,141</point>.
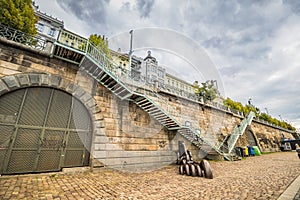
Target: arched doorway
<point>250,137</point>
<point>43,129</point>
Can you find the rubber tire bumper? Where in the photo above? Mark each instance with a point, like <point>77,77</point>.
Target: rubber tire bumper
<point>206,168</point>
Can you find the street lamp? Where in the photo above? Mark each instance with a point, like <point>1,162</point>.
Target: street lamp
<point>130,50</point>
<point>249,102</point>
<point>267,110</point>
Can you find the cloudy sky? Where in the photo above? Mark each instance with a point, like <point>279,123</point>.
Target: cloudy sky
<point>254,44</point>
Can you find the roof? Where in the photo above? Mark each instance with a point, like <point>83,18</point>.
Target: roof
<point>45,16</point>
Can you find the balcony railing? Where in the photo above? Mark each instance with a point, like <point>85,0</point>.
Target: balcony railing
<point>22,38</point>
<point>72,40</point>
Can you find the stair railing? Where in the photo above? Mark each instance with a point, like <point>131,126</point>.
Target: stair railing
<point>239,131</point>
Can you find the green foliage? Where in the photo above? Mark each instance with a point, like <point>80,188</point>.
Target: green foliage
<point>18,14</point>
<point>277,122</point>
<point>207,91</point>
<point>233,104</point>
<point>100,43</point>
<point>247,108</point>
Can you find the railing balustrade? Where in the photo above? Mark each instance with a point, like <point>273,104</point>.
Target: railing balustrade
<point>15,35</point>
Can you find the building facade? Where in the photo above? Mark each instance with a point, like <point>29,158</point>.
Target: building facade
<point>177,84</point>
<point>47,26</point>
<point>154,73</point>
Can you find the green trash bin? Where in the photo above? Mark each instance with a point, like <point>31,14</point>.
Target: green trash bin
<point>256,151</point>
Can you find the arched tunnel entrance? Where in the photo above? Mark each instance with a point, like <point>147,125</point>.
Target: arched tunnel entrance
<point>250,137</point>
<point>43,129</point>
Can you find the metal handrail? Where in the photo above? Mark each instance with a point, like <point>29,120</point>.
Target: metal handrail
<point>15,35</point>
<point>110,68</point>
<point>239,130</point>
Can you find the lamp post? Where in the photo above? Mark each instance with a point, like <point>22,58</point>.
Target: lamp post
<point>267,110</point>
<point>249,102</point>
<point>130,50</point>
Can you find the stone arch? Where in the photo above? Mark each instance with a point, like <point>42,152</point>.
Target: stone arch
<point>251,137</point>
<point>25,80</point>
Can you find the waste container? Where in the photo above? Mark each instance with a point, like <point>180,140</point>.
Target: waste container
<point>251,151</point>
<point>256,151</point>
<point>245,149</point>
<point>239,151</point>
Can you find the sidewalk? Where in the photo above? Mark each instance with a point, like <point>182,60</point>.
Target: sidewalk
<point>269,176</point>
<point>292,192</point>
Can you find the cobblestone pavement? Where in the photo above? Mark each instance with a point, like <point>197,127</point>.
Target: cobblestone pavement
<point>263,177</point>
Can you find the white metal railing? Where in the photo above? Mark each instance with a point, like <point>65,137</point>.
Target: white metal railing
<point>239,131</point>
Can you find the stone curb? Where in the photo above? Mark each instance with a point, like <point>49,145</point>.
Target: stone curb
<point>291,191</point>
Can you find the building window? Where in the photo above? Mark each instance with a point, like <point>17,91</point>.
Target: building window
<point>40,27</point>
<point>161,74</point>
<point>52,32</point>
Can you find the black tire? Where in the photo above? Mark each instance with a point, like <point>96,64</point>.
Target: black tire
<point>187,157</point>
<point>193,170</point>
<point>181,170</point>
<point>206,168</point>
<point>198,170</point>
<point>190,155</point>
<point>187,169</point>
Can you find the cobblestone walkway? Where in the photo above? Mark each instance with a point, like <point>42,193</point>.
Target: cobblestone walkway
<point>263,177</point>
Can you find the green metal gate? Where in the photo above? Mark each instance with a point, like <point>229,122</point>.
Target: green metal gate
<point>42,129</point>
<point>250,138</point>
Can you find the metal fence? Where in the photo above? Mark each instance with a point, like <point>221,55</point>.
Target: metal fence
<point>23,38</point>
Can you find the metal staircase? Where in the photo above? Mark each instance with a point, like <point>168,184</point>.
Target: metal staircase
<point>239,131</point>
<point>191,134</point>
<point>102,69</point>
<point>202,143</point>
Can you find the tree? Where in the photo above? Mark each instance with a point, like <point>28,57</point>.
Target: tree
<point>233,104</point>
<point>249,107</point>
<point>100,43</point>
<point>18,14</point>
<point>207,91</point>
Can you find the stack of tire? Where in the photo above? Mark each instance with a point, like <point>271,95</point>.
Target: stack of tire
<point>192,168</point>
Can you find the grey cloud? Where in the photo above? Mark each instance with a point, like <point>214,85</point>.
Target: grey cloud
<point>144,7</point>
<point>92,11</point>
<point>294,5</point>
<point>231,71</point>
<point>125,7</point>
<point>214,42</point>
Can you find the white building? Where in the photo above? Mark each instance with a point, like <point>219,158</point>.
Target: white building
<point>47,26</point>
<point>152,71</point>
